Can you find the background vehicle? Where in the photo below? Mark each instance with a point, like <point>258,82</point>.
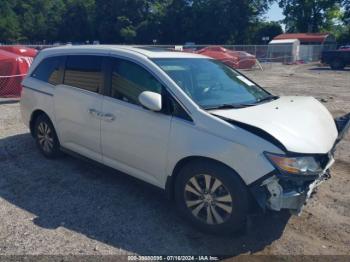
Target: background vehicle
<point>234,59</point>
<point>23,51</point>
<point>14,64</point>
<point>344,47</point>
<point>337,59</point>
<point>185,123</point>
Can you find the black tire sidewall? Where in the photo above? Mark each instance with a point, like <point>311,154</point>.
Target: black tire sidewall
<point>232,182</point>
<point>56,145</point>
<point>337,65</point>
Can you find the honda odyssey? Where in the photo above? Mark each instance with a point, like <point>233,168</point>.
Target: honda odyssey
<point>213,139</point>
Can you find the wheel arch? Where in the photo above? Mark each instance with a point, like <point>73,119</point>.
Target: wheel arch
<point>170,182</point>
<point>36,113</point>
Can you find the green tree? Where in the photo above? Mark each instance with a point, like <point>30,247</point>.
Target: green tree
<point>131,21</point>
<point>266,29</point>
<point>151,28</point>
<point>120,20</point>
<point>126,29</point>
<point>78,21</point>
<point>308,15</point>
<point>346,16</point>
<point>176,26</point>
<point>343,31</point>
<point>9,25</point>
<point>32,17</point>
<point>212,21</point>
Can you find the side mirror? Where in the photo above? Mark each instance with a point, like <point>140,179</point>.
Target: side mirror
<point>151,100</point>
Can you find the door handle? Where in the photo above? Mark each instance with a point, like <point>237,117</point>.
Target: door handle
<point>94,112</point>
<point>108,117</point>
<point>97,114</point>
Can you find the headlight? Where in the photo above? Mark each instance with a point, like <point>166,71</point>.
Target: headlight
<point>305,165</point>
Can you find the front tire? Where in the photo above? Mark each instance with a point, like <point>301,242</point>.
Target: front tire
<point>46,137</point>
<point>212,197</point>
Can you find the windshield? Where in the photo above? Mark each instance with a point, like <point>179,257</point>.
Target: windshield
<point>210,83</point>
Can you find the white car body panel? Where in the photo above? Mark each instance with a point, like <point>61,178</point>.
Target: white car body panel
<point>230,148</point>
<point>136,141</point>
<point>149,145</point>
<point>301,124</point>
<point>77,129</point>
<point>36,95</point>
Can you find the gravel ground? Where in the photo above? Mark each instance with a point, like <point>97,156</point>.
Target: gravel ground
<point>69,206</point>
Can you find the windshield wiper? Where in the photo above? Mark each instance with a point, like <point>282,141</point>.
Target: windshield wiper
<point>267,98</point>
<point>236,106</point>
<point>226,106</point>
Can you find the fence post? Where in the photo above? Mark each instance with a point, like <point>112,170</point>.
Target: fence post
<point>255,50</point>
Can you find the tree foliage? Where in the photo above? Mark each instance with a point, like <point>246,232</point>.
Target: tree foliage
<point>9,26</point>
<point>131,21</point>
<point>266,29</point>
<point>167,21</point>
<point>344,31</point>
<point>309,15</point>
<point>346,16</point>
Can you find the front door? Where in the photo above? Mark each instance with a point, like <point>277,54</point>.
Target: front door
<point>134,139</point>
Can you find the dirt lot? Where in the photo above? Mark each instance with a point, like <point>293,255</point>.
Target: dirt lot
<point>68,206</point>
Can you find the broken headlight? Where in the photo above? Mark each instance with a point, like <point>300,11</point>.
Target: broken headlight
<point>303,165</point>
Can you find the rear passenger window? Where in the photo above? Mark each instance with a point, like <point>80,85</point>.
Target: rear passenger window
<point>49,70</point>
<point>84,72</point>
<point>129,80</point>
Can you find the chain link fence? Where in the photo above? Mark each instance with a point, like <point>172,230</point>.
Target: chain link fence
<point>10,86</point>
<point>266,55</point>
<point>13,69</point>
<point>307,53</point>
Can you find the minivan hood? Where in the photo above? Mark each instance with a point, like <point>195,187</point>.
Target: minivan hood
<point>301,124</point>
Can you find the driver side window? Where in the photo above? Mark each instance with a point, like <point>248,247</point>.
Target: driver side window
<point>129,80</point>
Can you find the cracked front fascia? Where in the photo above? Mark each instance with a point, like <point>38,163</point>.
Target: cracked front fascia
<point>279,199</point>
<point>294,199</point>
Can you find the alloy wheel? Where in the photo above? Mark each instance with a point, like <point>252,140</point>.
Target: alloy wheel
<point>45,137</point>
<point>208,199</point>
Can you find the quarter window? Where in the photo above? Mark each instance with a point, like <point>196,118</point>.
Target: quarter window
<point>179,112</point>
<point>129,80</point>
<point>49,70</point>
<point>84,72</point>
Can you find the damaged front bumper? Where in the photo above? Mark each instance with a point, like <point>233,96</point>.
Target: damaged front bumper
<point>277,191</point>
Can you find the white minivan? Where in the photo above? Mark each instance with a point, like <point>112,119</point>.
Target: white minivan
<point>212,138</point>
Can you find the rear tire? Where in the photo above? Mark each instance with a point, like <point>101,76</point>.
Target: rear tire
<point>337,64</point>
<point>46,137</point>
<point>212,197</point>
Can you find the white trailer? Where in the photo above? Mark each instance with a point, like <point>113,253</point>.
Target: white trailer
<point>285,50</point>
